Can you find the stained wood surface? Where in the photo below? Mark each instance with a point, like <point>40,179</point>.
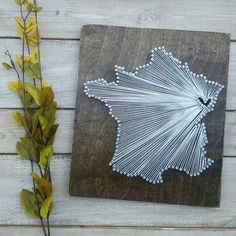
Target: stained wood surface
<point>72,211</point>
<point>62,19</point>
<point>62,65</point>
<point>95,131</point>
<point>9,133</point>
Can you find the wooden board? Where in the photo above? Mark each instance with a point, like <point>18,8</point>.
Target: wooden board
<point>63,67</point>
<point>64,20</point>
<point>101,48</point>
<point>9,133</point>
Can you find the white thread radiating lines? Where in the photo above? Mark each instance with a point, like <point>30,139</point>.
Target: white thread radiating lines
<point>158,110</point>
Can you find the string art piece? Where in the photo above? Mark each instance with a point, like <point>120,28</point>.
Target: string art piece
<point>158,109</point>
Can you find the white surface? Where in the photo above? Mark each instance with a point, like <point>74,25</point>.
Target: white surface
<point>115,231</point>
<point>63,18</point>
<point>100,212</point>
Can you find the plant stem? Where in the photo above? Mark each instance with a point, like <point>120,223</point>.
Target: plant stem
<point>36,196</point>
<point>37,32</point>
<point>25,43</point>
<point>40,170</point>
<point>23,79</point>
<point>28,47</point>
<point>23,59</point>
<point>26,36</point>
<point>30,10</point>
<point>49,174</point>
<point>13,64</point>
<point>17,73</point>
<point>48,225</point>
<point>40,72</point>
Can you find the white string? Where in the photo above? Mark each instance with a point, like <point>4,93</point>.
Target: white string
<point>158,109</point>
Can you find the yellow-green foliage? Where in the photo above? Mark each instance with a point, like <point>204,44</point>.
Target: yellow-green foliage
<point>38,115</point>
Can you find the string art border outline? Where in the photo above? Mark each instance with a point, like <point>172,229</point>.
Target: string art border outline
<point>176,81</point>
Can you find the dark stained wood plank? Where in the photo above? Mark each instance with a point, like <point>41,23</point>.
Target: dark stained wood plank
<point>101,48</point>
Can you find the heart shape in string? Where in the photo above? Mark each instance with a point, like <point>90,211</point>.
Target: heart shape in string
<point>203,102</point>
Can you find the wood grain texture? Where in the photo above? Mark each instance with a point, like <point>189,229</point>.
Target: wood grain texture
<point>15,174</point>
<point>114,231</point>
<point>67,17</point>
<point>231,92</point>
<point>9,132</point>
<point>64,21</point>
<point>95,132</point>
<point>60,68</point>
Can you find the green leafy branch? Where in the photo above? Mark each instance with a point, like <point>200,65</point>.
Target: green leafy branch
<point>38,116</point>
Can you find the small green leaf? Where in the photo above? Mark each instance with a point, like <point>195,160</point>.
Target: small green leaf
<point>47,97</point>
<point>22,151</point>
<point>29,145</point>
<point>35,119</point>
<point>43,121</point>
<point>46,156</point>
<point>51,134</point>
<point>35,177</point>
<point>50,111</point>
<point>15,85</point>
<point>6,66</point>
<point>48,128</point>
<point>25,2</point>
<point>18,118</point>
<point>44,210</point>
<point>12,63</point>
<point>37,9</point>
<point>38,136</point>
<point>25,148</point>
<point>33,70</point>
<point>34,92</point>
<point>24,98</point>
<point>34,7</point>
<point>19,2</point>
<point>44,188</point>
<point>29,203</point>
